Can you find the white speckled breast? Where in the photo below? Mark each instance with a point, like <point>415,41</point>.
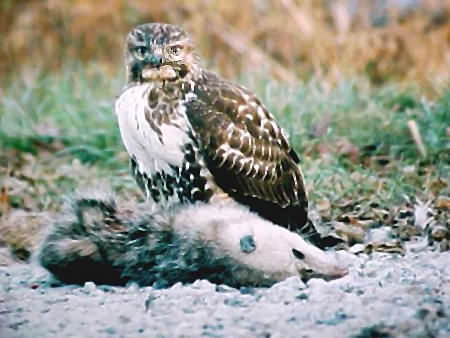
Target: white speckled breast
<point>153,151</point>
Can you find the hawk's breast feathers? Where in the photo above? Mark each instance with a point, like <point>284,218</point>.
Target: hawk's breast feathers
<point>154,136</point>
<point>155,132</point>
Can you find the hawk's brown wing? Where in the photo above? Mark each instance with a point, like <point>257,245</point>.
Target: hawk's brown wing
<point>246,151</point>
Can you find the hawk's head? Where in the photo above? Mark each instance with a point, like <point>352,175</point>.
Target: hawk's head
<point>159,52</point>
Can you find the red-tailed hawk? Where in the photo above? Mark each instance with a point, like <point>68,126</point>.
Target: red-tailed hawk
<point>193,136</point>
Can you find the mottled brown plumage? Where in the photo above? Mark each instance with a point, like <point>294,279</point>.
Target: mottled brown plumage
<point>240,137</point>
<point>247,152</point>
<point>193,136</point>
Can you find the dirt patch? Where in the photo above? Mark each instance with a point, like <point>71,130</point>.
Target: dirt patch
<point>384,295</point>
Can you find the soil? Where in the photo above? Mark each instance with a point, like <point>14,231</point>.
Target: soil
<point>384,295</point>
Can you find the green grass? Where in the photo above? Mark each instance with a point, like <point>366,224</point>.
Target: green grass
<point>52,120</point>
<point>74,107</point>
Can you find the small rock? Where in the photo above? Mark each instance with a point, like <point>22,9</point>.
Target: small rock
<point>244,290</point>
<point>132,286</point>
<point>357,248</point>
<point>225,288</point>
<point>89,287</point>
<point>176,286</point>
<point>203,284</point>
<point>383,234</point>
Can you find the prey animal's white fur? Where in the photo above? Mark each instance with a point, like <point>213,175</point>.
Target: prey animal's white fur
<point>226,225</point>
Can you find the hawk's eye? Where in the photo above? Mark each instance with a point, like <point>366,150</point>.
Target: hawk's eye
<point>140,51</point>
<point>175,50</point>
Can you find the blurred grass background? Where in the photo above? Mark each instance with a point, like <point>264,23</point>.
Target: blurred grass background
<point>402,40</point>
<point>361,87</point>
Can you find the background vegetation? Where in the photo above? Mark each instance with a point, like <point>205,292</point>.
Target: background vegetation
<point>405,40</point>
<point>362,91</point>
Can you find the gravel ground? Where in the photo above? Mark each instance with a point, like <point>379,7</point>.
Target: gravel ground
<point>383,296</point>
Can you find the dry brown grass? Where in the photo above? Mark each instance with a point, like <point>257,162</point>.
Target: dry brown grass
<point>289,38</point>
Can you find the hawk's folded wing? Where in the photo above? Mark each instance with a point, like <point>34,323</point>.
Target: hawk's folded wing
<point>246,151</point>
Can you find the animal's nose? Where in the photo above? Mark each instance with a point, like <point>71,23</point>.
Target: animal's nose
<point>155,60</point>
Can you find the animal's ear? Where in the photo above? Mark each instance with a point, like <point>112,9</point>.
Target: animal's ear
<point>247,244</point>
<point>298,254</point>
<point>85,208</point>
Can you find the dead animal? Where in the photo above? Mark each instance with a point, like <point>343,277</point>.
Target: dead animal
<point>96,240</point>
